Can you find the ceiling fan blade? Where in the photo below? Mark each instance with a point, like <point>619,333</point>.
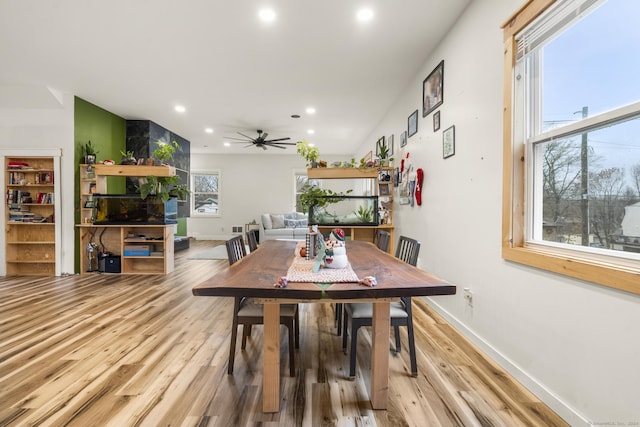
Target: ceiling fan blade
<point>264,147</point>
<point>283,143</point>
<point>274,145</point>
<point>279,139</point>
<point>238,139</point>
<point>246,136</point>
<point>263,136</point>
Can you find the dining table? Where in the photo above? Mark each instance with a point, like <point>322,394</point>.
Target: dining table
<point>260,274</point>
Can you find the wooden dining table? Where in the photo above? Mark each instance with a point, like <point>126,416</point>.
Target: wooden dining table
<point>255,275</point>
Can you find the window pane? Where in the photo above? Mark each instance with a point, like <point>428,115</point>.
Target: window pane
<point>593,66</point>
<point>206,203</point>
<point>205,183</point>
<point>603,210</point>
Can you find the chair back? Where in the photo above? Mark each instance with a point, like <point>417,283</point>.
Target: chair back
<point>408,250</point>
<point>252,240</point>
<point>235,249</point>
<point>382,240</point>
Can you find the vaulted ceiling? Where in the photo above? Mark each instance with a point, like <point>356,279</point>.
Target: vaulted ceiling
<point>230,70</point>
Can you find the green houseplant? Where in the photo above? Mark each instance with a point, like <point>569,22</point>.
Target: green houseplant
<point>310,153</point>
<point>164,187</point>
<point>318,198</point>
<point>164,152</point>
<point>89,153</point>
<point>383,153</point>
<point>127,157</point>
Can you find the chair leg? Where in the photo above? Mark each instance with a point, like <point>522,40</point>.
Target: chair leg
<point>345,319</point>
<point>246,331</point>
<point>297,327</point>
<point>338,319</point>
<point>355,325</point>
<point>234,334</point>
<point>292,351</point>
<point>396,332</point>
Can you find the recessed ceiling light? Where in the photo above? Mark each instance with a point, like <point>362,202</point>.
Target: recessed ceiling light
<point>364,14</point>
<point>208,130</point>
<point>311,131</point>
<point>311,110</point>
<point>227,144</point>
<point>180,108</point>
<point>267,15</point>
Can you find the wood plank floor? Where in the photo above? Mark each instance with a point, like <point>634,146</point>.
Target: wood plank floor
<point>115,350</point>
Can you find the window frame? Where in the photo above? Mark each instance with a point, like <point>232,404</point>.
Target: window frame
<point>606,270</point>
<point>194,212</point>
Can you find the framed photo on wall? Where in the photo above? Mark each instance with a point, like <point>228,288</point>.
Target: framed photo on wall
<point>432,90</point>
<point>449,142</point>
<point>412,124</point>
<point>436,121</point>
<point>403,138</point>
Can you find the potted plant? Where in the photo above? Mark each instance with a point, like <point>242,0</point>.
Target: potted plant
<point>383,153</point>
<point>127,158</point>
<point>163,187</point>
<point>318,198</point>
<point>309,152</point>
<point>89,153</point>
<point>164,152</point>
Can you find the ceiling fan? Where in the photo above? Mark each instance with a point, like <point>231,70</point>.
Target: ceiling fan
<point>262,141</point>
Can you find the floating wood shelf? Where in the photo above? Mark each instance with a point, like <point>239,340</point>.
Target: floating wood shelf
<point>343,173</point>
<point>134,170</point>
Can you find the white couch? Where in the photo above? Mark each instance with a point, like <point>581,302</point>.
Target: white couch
<point>283,226</point>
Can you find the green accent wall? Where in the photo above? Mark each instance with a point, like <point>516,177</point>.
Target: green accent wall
<point>107,133</point>
<point>182,227</point>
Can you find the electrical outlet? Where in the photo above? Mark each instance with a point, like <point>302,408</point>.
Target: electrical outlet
<point>468,296</point>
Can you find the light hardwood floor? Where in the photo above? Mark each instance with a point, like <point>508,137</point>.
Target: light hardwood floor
<point>115,350</point>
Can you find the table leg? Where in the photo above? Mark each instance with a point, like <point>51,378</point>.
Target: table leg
<point>380,355</point>
<point>271,358</point>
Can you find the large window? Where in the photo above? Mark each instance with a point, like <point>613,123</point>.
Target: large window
<point>205,193</point>
<point>572,134</point>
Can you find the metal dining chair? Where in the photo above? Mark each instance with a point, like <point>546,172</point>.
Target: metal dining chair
<point>382,242</point>
<point>252,239</point>
<point>247,313</point>
<point>361,314</point>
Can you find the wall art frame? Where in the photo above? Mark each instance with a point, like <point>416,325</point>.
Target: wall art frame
<point>403,139</point>
<point>436,121</point>
<point>412,124</point>
<point>433,90</point>
<point>449,142</point>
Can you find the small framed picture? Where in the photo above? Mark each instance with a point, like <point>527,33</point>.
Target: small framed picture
<point>449,142</point>
<point>379,144</point>
<point>403,138</point>
<point>412,124</point>
<point>89,204</point>
<point>92,188</point>
<point>396,177</point>
<point>384,188</point>
<point>390,144</point>
<point>432,86</point>
<point>436,121</point>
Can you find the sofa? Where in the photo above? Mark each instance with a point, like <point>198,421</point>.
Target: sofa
<point>283,226</point>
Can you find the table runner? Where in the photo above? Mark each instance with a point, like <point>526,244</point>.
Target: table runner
<point>301,271</point>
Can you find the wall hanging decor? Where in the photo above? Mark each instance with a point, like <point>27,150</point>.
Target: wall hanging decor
<point>432,90</point>
<point>436,121</point>
<point>403,138</point>
<point>412,123</point>
<point>449,142</point>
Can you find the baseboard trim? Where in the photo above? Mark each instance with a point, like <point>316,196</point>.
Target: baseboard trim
<point>564,410</point>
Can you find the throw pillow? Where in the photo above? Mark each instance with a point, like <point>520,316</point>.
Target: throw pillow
<point>277,221</point>
<point>266,222</point>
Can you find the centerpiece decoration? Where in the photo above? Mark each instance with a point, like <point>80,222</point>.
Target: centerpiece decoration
<point>332,252</point>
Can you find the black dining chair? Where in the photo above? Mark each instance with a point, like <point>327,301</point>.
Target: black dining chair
<point>252,239</point>
<point>248,313</point>
<point>361,314</point>
<point>382,242</point>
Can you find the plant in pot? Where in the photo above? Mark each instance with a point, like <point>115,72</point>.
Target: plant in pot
<point>383,153</point>
<point>89,153</point>
<point>163,187</point>
<point>310,153</point>
<point>164,152</point>
<point>127,158</point>
<point>318,198</point>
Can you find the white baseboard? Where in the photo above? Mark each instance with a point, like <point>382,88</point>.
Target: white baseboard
<point>564,410</point>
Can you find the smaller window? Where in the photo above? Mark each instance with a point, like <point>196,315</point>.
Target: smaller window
<point>205,196</point>
<point>301,180</point>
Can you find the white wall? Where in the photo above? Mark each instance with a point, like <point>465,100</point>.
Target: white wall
<point>573,343</point>
<point>251,184</point>
<point>47,128</point>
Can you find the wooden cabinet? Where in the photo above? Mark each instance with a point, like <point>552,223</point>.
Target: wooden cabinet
<point>114,239</point>
<point>376,184</point>
<point>87,190</point>
<point>30,223</point>
<point>143,249</point>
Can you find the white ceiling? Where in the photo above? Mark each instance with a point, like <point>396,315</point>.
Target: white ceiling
<point>232,72</point>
